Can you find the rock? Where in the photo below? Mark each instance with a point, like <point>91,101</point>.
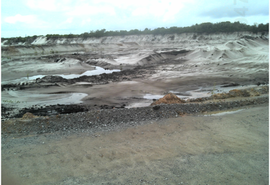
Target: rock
<point>156,107</point>
<point>239,93</point>
<point>63,59</point>
<point>230,84</point>
<point>57,60</point>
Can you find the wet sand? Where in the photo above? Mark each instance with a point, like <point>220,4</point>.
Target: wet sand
<point>195,149</point>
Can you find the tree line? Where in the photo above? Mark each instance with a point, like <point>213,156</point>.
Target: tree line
<point>197,28</point>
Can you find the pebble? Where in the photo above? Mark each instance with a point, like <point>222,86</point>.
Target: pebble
<point>122,117</point>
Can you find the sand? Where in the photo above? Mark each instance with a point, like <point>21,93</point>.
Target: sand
<point>196,149</point>
<point>211,60</point>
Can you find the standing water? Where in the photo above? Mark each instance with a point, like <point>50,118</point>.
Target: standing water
<point>97,71</point>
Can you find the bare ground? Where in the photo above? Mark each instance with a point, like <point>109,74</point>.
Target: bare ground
<point>196,149</point>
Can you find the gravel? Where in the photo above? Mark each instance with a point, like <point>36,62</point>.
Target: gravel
<point>109,119</point>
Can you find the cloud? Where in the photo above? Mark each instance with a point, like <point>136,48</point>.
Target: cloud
<point>86,21</point>
<point>68,21</point>
<point>50,5</point>
<point>158,9</point>
<point>20,18</point>
<point>78,16</point>
<point>123,4</point>
<point>84,10</point>
<point>142,11</point>
<point>172,11</point>
<point>239,9</point>
<point>26,22</point>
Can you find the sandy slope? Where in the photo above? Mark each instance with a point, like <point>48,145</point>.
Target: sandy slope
<point>225,149</point>
<point>210,60</point>
<point>20,68</point>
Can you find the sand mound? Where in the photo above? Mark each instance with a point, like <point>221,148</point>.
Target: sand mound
<point>28,115</point>
<point>169,99</point>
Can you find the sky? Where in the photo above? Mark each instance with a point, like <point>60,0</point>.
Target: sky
<point>41,17</point>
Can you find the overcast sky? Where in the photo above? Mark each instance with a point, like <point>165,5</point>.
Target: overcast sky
<point>41,17</point>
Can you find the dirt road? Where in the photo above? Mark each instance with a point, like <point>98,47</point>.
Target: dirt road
<point>197,149</point>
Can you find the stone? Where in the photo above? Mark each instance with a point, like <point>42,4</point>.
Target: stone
<point>156,107</point>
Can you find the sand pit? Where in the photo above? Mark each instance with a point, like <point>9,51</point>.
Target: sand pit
<point>157,67</point>
<point>102,129</point>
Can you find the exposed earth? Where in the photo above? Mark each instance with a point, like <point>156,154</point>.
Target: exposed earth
<point>189,65</point>
<point>222,148</point>
<point>93,111</point>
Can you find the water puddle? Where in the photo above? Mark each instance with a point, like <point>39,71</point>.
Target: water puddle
<point>198,94</point>
<point>97,71</point>
<point>26,99</point>
<point>152,96</point>
<point>139,104</point>
<point>183,95</point>
<point>193,94</point>
<point>148,98</point>
<point>219,89</point>
<point>224,113</point>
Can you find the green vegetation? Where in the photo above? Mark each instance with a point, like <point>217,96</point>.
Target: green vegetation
<point>27,40</point>
<point>197,28</point>
<point>13,101</point>
<point>214,88</point>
